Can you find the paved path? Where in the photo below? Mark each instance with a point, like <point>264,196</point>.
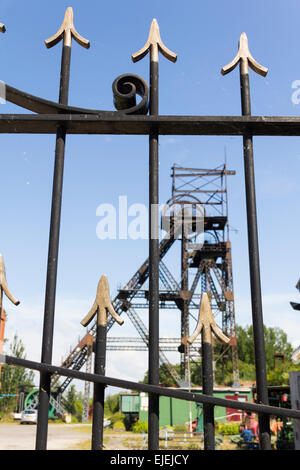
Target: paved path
<point>16,436</point>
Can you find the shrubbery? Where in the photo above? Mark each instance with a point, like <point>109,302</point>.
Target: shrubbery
<point>118,416</point>
<point>139,427</point>
<point>229,429</point>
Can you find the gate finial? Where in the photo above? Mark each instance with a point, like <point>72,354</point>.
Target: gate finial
<point>206,322</point>
<point>245,58</point>
<point>154,44</point>
<point>101,304</point>
<point>66,32</point>
<point>3,285</point>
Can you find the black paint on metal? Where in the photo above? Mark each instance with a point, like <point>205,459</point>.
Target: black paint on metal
<point>118,123</point>
<point>161,391</point>
<point>49,312</point>
<point>99,389</point>
<point>208,389</point>
<point>255,282</point>
<point>125,88</point>
<point>153,358</point>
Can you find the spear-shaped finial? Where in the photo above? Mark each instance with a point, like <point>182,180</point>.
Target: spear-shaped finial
<point>206,324</point>
<point>3,285</point>
<point>101,305</point>
<point>2,28</point>
<point>245,59</point>
<point>154,44</point>
<point>66,32</point>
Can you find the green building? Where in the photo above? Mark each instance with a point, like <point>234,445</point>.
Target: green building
<point>173,411</point>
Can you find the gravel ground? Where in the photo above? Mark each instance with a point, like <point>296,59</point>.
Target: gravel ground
<point>16,436</point>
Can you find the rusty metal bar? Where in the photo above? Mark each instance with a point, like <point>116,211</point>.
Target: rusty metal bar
<point>117,124</point>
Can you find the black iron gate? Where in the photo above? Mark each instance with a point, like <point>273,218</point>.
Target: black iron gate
<point>142,118</point>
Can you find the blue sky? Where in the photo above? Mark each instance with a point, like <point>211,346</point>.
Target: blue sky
<point>98,169</point>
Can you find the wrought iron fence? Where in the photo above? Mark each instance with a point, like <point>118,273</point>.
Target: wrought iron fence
<point>133,118</point>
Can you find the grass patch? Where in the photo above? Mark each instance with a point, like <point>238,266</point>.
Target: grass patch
<point>82,445</point>
<point>86,444</point>
<point>85,429</point>
<point>133,442</point>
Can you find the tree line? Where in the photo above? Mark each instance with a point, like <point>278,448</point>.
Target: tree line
<point>278,360</point>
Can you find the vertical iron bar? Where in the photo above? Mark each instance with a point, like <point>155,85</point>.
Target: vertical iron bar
<point>256,300</point>
<point>49,310</point>
<point>99,389</point>
<point>208,389</point>
<point>153,413</point>
<point>65,75</point>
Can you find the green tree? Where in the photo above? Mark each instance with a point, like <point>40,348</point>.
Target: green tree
<point>275,342</point>
<point>73,403</point>
<point>280,375</point>
<point>245,344</point>
<point>165,377</point>
<point>111,404</point>
<point>13,377</point>
<point>196,372</point>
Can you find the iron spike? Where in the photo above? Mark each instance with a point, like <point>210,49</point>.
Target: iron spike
<point>206,324</point>
<point>245,59</point>
<point>66,32</point>
<point>101,305</point>
<point>3,285</point>
<point>154,44</point>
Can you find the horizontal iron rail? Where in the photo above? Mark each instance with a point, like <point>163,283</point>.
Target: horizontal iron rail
<point>163,391</point>
<point>114,123</point>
